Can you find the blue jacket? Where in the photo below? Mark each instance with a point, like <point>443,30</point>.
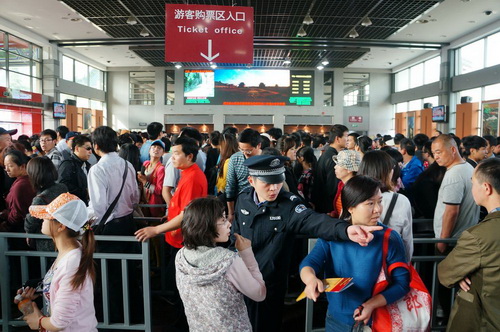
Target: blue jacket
<point>348,259</point>
<point>411,171</point>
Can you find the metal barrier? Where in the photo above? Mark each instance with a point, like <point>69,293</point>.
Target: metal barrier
<point>6,320</point>
<point>417,260</point>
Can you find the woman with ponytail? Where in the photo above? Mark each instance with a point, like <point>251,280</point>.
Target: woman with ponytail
<point>68,286</point>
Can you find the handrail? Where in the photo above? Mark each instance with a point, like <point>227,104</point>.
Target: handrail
<point>6,320</point>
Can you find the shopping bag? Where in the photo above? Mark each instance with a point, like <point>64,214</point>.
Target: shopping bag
<point>412,313</point>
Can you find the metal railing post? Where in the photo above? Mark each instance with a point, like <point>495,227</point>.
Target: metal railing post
<point>4,283</point>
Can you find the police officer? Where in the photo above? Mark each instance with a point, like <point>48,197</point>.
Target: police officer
<point>270,218</point>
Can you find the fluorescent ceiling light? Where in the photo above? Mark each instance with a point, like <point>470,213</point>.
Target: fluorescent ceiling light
<point>353,33</point>
<point>366,22</point>
<point>131,20</point>
<point>302,32</point>
<point>308,20</point>
<point>144,32</point>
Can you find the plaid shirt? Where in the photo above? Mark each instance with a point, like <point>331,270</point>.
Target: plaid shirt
<point>55,156</point>
<point>236,177</point>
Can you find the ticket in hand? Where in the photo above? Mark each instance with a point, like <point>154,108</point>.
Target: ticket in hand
<point>335,285</point>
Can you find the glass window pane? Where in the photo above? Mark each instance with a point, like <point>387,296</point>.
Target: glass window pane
<point>67,68</point>
<point>36,69</point>
<point>37,85</point>
<point>417,75</point>
<point>19,46</point>
<point>402,80</point>
<point>95,78</point>
<point>2,40</point>
<point>19,81</point>
<point>493,50</point>
<point>433,100</point>
<point>415,105</point>
<point>3,59</point>
<point>82,102</point>
<point>63,97</point>
<point>402,107</point>
<point>96,104</point>
<point>3,78</point>
<point>471,57</point>
<point>19,64</point>
<point>474,93</point>
<point>142,88</point>
<point>431,70</point>
<point>37,53</point>
<point>492,92</point>
<point>81,73</point>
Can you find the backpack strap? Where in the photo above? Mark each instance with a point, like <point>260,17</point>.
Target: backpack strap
<point>390,209</point>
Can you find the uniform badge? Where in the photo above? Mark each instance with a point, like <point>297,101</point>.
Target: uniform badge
<point>293,197</point>
<point>300,208</point>
<point>275,163</point>
<point>245,212</point>
<point>275,218</point>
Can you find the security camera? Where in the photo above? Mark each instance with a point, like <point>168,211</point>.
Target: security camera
<point>390,63</point>
<point>109,61</point>
<point>488,12</point>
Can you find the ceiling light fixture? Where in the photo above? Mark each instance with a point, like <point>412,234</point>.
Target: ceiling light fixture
<point>131,20</point>
<point>366,22</point>
<point>308,20</point>
<point>213,66</point>
<point>144,32</point>
<point>325,62</point>
<point>178,65</point>
<point>353,33</point>
<point>320,67</point>
<point>302,32</point>
<point>287,61</point>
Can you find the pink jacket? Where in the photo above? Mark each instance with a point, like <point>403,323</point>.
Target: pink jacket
<point>71,310</point>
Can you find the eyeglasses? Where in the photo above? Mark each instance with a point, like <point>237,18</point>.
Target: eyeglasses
<point>88,148</point>
<point>46,140</point>
<point>247,151</point>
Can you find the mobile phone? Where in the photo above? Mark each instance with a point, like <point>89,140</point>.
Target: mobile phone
<point>37,284</point>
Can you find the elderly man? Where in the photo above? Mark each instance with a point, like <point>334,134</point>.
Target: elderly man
<point>271,217</point>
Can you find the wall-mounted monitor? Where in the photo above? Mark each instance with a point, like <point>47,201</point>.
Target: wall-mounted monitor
<point>59,111</point>
<point>440,113</point>
<point>249,87</point>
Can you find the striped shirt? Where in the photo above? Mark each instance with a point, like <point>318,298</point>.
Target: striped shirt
<point>236,176</point>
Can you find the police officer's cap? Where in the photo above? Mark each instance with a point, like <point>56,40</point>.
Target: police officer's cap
<point>267,168</point>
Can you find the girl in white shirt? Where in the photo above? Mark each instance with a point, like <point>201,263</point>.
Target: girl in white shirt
<point>68,286</point>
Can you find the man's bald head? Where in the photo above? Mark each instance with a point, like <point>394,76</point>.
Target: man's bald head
<point>446,140</point>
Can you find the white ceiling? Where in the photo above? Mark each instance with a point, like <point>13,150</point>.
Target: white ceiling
<point>448,21</point>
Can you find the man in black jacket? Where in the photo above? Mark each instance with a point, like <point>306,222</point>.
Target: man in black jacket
<point>270,218</point>
<point>73,171</point>
<point>325,181</point>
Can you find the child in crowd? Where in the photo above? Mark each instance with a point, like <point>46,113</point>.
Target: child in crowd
<point>212,280</point>
<point>68,286</point>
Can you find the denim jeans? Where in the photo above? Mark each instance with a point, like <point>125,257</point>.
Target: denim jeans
<point>334,325</point>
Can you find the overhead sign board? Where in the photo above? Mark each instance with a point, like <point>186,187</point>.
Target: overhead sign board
<point>200,33</point>
<point>355,118</point>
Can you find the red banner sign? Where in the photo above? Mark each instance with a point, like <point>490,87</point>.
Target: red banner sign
<point>355,118</point>
<point>200,33</point>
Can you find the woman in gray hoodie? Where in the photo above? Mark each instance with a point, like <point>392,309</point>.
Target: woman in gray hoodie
<point>212,280</point>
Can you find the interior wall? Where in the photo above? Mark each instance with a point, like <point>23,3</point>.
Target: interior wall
<point>122,115</point>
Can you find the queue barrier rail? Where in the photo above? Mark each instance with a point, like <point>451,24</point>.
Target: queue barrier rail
<point>7,322</point>
<point>416,260</point>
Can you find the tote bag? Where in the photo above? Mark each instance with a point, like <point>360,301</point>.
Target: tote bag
<point>412,313</point>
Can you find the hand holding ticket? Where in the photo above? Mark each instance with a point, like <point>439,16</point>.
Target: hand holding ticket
<point>335,285</point>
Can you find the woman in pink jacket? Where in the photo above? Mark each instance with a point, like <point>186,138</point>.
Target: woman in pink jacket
<point>151,178</point>
<point>68,286</point>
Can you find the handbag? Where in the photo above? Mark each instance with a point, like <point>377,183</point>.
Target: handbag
<point>410,313</point>
<point>100,226</point>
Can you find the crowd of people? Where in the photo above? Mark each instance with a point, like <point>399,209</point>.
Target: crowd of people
<point>231,205</point>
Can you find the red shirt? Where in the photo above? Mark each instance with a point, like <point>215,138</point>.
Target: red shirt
<point>192,184</point>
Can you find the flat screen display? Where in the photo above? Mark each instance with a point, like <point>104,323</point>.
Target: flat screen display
<point>59,111</point>
<point>249,87</point>
<point>439,114</point>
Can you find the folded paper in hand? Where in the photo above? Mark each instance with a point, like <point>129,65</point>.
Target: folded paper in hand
<point>335,285</point>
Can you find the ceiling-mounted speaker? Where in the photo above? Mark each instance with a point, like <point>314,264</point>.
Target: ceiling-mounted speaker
<point>427,105</point>
<point>465,99</point>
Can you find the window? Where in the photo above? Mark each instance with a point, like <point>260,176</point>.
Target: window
<point>433,100</point>
<point>95,78</point>
<point>471,57</point>
<point>63,97</point>
<point>356,89</point>
<point>492,92</point>
<point>67,68</point>
<point>402,107</point>
<point>475,94</point>
<point>169,87</point>
<point>423,73</point>
<point>328,88</point>
<point>402,80</point>
<point>142,88</point>
<point>81,73</point>
<point>82,102</point>
<point>493,50</point>
<point>96,104</point>
<point>417,76</point>
<point>415,105</point>
<point>432,69</point>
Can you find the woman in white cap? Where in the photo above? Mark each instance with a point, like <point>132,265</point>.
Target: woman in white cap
<point>68,286</point>
<point>346,166</point>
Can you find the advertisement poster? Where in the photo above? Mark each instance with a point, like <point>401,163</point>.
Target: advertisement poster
<point>490,117</point>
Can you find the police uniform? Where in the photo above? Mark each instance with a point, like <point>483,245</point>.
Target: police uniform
<point>271,226</point>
